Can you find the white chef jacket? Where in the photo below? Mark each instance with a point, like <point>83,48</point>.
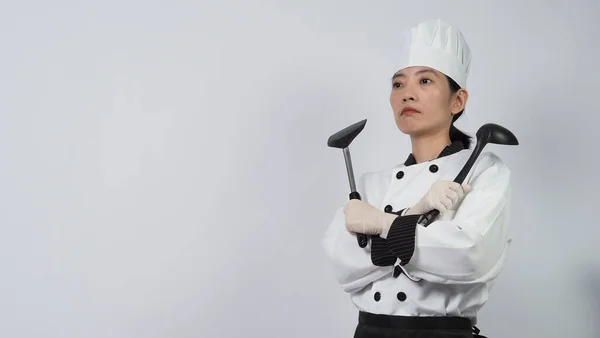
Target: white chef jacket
<point>445,269</point>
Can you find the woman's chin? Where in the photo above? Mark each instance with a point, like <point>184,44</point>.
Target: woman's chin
<point>408,129</point>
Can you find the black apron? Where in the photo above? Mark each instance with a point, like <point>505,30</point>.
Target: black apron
<point>383,326</point>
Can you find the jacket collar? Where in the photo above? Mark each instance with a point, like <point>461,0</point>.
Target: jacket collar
<point>450,149</point>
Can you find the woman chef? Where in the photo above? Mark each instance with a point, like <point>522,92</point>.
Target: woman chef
<point>411,280</point>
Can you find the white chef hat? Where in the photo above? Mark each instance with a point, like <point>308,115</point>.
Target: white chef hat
<point>439,45</point>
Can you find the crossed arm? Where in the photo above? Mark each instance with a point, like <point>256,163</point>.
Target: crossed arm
<point>468,247</point>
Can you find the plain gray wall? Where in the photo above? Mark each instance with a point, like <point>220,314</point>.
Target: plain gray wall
<point>165,170</point>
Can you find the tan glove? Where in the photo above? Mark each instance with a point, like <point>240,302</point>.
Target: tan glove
<point>363,218</point>
<point>443,196</point>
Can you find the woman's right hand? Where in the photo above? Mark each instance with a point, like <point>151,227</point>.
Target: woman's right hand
<point>443,196</point>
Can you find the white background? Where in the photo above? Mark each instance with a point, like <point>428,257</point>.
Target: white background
<point>164,169</point>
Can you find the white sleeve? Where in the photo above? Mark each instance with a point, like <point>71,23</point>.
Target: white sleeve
<point>467,247</point>
<point>352,265</point>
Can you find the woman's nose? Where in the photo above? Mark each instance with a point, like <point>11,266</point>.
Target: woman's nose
<point>408,97</point>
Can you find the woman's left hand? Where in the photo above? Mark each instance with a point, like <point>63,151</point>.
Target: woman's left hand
<point>363,218</point>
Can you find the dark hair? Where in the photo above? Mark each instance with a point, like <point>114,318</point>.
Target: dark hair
<point>455,134</point>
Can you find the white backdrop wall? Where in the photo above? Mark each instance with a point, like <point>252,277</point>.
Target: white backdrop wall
<point>165,170</point>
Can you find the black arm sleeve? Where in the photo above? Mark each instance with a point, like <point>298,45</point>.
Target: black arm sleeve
<point>401,237</point>
<point>400,242</point>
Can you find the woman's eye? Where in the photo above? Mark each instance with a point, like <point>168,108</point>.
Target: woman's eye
<point>397,85</point>
<point>425,81</point>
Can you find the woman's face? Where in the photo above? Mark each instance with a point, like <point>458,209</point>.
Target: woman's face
<point>422,103</point>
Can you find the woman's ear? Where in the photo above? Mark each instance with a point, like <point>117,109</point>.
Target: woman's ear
<point>459,101</point>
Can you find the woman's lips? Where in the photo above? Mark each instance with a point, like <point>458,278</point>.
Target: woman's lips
<point>408,111</point>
